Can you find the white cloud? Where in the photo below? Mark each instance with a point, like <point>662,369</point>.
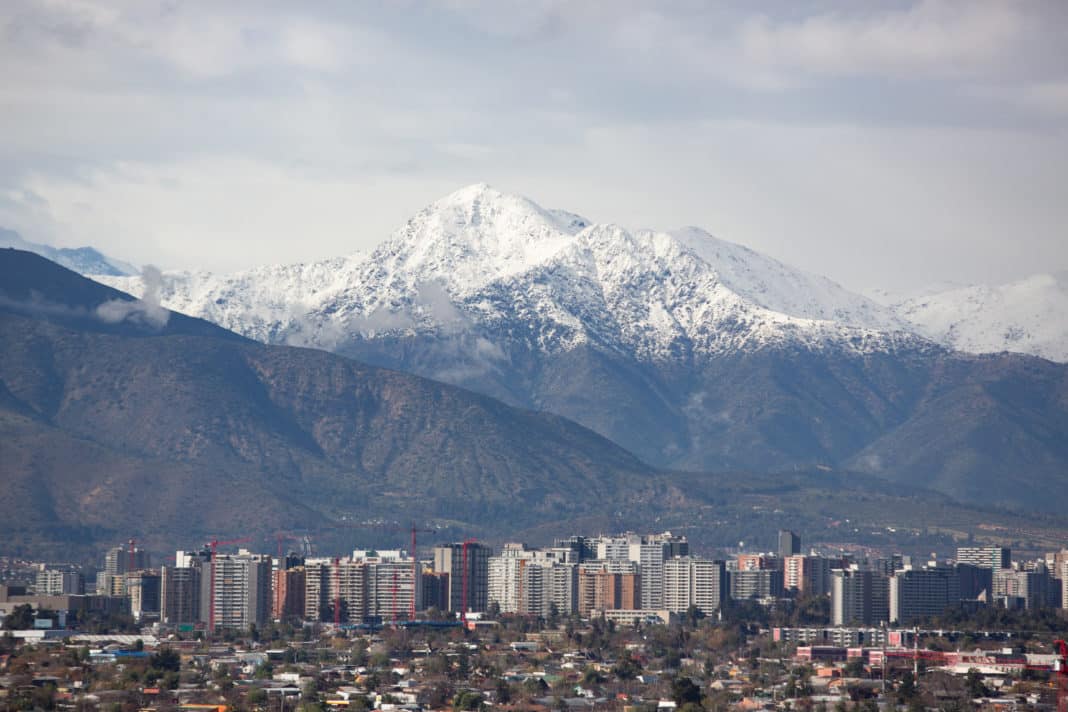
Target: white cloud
<point>942,39</point>
<point>230,134</point>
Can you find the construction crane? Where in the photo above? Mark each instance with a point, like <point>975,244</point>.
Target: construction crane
<point>214,544</point>
<point>463,611</point>
<point>1060,674</point>
<point>286,536</point>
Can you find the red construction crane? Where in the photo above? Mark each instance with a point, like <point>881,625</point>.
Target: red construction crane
<point>215,544</point>
<point>1060,674</point>
<point>463,611</point>
<point>284,536</point>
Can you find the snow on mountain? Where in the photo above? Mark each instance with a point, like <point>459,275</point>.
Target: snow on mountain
<point>84,260</point>
<point>1027,316</point>
<point>265,303</point>
<point>780,288</point>
<point>482,261</point>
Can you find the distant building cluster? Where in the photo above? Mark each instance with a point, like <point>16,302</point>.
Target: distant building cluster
<point>899,591</point>
<point>624,578</point>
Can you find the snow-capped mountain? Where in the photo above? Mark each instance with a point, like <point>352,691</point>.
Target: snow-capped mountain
<point>1026,316</point>
<point>84,260</point>
<point>480,260</point>
<point>692,352</point>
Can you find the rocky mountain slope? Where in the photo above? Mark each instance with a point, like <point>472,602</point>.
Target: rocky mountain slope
<point>176,428</point>
<point>693,352</point>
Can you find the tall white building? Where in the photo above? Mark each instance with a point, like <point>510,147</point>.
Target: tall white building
<point>505,576</point>
<point>694,582</point>
<point>240,590</point>
<point>988,557</point>
<point>392,585</point>
<point>379,585</point>
<point>533,582</point>
<point>650,552</point>
<point>54,582</point>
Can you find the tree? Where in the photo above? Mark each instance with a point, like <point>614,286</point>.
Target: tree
<point>20,618</point>
<point>467,700</point>
<point>683,690</point>
<point>907,689</point>
<point>167,659</point>
<point>974,681</point>
<point>626,669</point>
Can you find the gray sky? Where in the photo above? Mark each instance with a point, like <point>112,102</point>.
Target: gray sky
<point>883,144</point>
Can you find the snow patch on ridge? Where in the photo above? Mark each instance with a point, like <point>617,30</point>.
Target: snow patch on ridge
<point>481,262</point>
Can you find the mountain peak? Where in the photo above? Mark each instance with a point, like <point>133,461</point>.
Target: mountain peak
<point>474,235</point>
<point>83,260</point>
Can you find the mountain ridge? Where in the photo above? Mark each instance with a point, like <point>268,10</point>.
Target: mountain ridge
<point>660,342</point>
<point>101,412</point>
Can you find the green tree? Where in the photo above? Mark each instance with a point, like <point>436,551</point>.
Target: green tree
<point>467,700</point>
<point>907,689</point>
<point>974,682</point>
<point>167,659</point>
<point>683,690</point>
<point>20,618</point>
<point>627,668</point>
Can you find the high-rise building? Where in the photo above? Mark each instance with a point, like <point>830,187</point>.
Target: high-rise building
<point>789,543</point>
<point>859,597</point>
<point>975,581</point>
<point>435,591</point>
<point>242,590</point>
<point>391,587</point>
<point>808,575</point>
<point>757,562</point>
<point>180,602</point>
<point>119,559</point>
<point>1033,589</point>
<point>611,548</point>
<point>608,585</point>
<point>56,582</point>
<point>756,583</point>
<point>548,586</point>
<point>288,593</point>
<point>373,585</point>
<point>534,582</point>
<point>145,589</point>
<point>505,576</point>
<point>584,548</point>
<point>915,594</point>
<point>449,559</point>
<point>335,583</point>
<point>988,557</point>
<point>690,581</point>
<point>650,552</point>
